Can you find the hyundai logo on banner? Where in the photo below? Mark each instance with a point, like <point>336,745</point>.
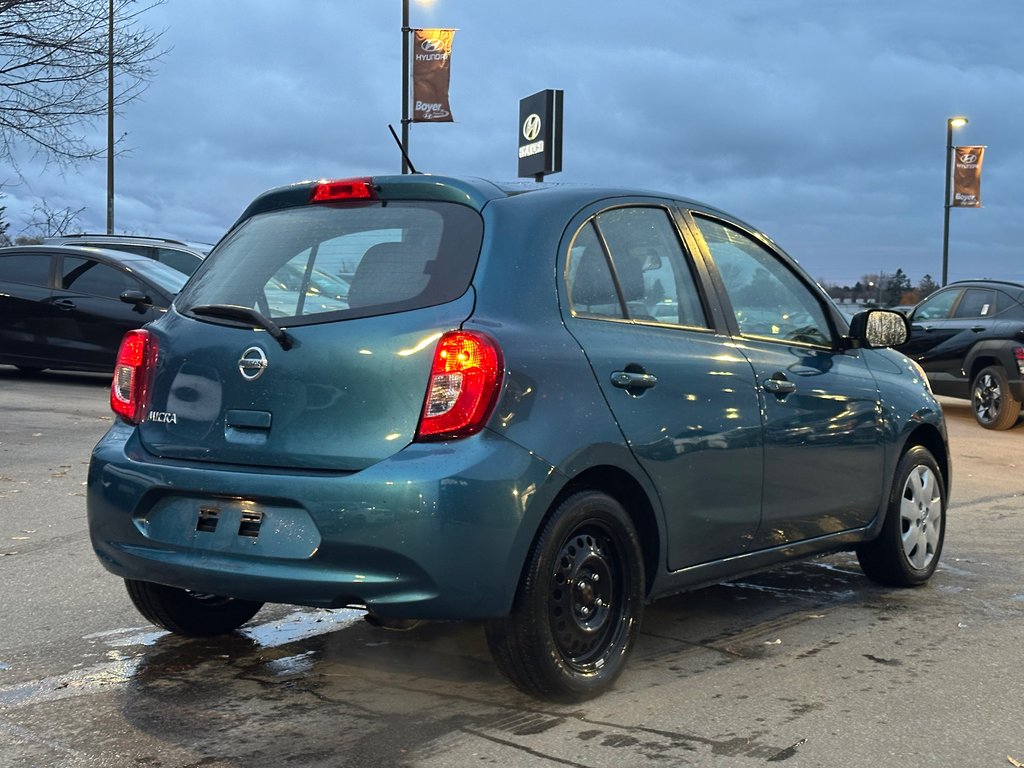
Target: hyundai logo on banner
<point>540,134</point>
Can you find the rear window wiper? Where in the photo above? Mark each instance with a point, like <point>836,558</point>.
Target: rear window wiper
<point>245,315</point>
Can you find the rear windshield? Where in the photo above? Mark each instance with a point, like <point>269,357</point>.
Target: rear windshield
<point>319,263</point>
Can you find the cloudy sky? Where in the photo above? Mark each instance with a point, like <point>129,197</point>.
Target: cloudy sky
<point>821,122</point>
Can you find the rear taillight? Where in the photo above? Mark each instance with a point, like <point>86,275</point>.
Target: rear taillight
<point>464,383</point>
<point>1018,352</point>
<point>129,392</point>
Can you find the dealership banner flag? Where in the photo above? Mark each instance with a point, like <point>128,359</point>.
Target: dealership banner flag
<point>967,177</point>
<point>431,72</point>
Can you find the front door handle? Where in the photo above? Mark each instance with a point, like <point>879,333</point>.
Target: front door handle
<point>64,304</point>
<point>633,380</point>
<point>779,387</point>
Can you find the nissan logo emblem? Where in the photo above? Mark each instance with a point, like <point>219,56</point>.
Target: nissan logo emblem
<point>531,128</point>
<point>433,45</point>
<point>252,364</point>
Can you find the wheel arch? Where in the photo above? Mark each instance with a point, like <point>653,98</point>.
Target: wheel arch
<point>929,436</point>
<point>991,352</point>
<point>630,493</point>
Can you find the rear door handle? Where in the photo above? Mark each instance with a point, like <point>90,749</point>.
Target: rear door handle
<point>632,380</point>
<point>64,304</point>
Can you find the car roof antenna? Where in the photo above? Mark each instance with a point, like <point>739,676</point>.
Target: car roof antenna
<point>401,149</point>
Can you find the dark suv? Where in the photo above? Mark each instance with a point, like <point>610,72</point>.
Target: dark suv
<point>969,338</point>
<point>533,405</point>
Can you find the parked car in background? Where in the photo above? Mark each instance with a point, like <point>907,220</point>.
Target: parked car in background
<point>174,253</point>
<point>68,307</point>
<point>969,338</point>
<point>539,406</point>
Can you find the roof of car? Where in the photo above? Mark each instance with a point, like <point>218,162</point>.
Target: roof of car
<point>114,238</point>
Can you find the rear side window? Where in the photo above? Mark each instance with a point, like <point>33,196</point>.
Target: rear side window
<point>627,263</point>
<point>86,276</point>
<point>318,263</point>
<point>27,268</point>
<point>976,302</point>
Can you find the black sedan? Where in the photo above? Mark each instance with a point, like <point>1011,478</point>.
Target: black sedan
<point>67,307</point>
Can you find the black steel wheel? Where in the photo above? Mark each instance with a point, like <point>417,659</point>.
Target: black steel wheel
<point>578,609</point>
<point>189,613</point>
<point>995,407</point>
<point>907,549</point>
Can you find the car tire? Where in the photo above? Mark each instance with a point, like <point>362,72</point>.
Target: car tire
<point>907,549</point>
<point>995,407</point>
<point>577,612</point>
<point>189,613</point>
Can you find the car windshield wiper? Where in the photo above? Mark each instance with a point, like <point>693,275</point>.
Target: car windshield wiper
<point>245,315</point>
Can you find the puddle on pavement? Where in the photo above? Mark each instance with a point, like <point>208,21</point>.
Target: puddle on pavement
<point>124,663</point>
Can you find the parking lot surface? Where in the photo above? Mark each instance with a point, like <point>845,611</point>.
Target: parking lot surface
<point>811,665</point>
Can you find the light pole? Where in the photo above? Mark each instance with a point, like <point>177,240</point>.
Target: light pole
<point>110,118</point>
<point>951,123</point>
<point>405,87</point>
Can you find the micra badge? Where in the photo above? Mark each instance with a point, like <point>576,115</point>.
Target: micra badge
<point>163,418</point>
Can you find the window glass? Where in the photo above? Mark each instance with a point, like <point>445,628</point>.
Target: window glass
<point>652,268</point>
<point>364,259</point>
<point>976,302</point>
<point>936,306</point>
<point>28,268</point>
<point>184,262</point>
<point>652,280</point>
<point>770,301</point>
<point>592,290</point>
<point>96,279</point>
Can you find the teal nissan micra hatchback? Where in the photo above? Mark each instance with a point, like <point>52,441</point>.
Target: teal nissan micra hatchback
<point>536,405</point>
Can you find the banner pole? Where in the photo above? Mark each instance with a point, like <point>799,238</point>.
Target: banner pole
<point>951,123</point>
<point>405,86</point>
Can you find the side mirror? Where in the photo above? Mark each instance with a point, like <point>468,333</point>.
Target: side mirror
<point>879,328</point>
<point>136,298</point>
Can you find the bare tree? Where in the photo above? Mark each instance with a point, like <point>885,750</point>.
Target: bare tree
<point>53,71</point>
<point>51,222</point>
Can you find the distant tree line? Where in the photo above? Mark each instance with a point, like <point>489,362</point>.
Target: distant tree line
<point>882,290</point>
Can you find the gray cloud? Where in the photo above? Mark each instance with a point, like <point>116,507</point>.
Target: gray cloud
<point>822,123</point>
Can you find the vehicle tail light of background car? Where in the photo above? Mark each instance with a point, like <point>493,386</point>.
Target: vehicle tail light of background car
<point>1018,352</point>
<point>129,391</point>
<point>464,382</point>
<point>343,189</point>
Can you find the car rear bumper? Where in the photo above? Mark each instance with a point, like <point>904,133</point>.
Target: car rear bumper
<point>437,531</point>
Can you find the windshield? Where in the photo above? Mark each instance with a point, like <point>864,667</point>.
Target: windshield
<point>317,263</point>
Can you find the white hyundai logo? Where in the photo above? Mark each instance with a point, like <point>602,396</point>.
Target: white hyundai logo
<point>968,158</point>
<point>252,363</point>
<point>531,128</point>
<point>433,45</point>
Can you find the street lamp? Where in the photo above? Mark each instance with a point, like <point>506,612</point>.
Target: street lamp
<point>951,123</point>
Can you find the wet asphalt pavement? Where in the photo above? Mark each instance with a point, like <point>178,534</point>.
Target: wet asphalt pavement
<point>812,665</point>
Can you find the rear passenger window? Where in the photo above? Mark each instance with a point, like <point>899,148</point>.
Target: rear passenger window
<point>629,263</point>
<point>976,302</point>
<point>26,268</point>
<point>95,279</point>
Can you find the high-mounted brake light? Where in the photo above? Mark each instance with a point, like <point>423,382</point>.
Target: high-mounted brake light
<point>464,383</point>
<point>129,391</point>
<point>343,189</point>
